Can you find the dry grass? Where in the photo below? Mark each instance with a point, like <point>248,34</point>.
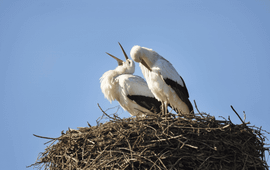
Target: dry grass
<point>156,142</point>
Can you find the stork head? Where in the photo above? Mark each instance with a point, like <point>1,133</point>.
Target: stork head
<point>127,67</point>
<point>142,55</point>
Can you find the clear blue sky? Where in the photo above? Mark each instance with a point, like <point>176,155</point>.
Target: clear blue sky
<point>52,54</point>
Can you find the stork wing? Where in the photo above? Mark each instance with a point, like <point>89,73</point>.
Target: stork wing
<point>136,89</point>
<point>174,80</point>
<point>149,103</point>
<point>181,91</point>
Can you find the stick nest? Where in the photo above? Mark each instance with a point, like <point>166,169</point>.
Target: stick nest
<point>155,142</point>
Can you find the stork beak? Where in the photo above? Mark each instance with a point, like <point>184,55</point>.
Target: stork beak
<point>145,64</point>
<point>123,51</point>
<point>119,61</point>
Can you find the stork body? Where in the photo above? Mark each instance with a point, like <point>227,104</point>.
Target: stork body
<point>129,90</point>
<point>163,80</point>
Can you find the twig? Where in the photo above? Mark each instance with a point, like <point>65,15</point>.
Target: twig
<point>45,137</point>
<point>106,113</point>
<point>244,116</point>
<point>160,140</point>
<point>196,106</point>
<point>88,124</point>
<point>238,115</point>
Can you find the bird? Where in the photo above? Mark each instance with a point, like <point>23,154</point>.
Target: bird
<point>129,90</point>
<point>163,80</point>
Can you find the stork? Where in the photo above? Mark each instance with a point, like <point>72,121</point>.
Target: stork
<point>130,91</point>
<point>163,80</point>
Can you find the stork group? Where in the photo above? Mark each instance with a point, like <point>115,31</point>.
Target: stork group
<point>163,86</point>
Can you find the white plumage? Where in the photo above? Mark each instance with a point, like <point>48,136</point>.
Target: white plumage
<point>130,91</point>
<point>162,79</point>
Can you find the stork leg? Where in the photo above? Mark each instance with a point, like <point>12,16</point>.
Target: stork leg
<point>164,108</point>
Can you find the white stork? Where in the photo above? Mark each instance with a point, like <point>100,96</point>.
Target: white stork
<point>130,91</point>
<point>163,80</point>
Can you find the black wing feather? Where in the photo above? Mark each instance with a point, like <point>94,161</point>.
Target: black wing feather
<point>149,103</point>
<point>181,91</point>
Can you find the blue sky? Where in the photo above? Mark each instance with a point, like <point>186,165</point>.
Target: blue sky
<point>52,54</point>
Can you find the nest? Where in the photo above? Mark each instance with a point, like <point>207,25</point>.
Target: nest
<point>158,142</point>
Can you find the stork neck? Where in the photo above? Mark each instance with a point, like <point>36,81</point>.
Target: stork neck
<point>108,85</point>
<point>113,74</point>
<point>151,58</point>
